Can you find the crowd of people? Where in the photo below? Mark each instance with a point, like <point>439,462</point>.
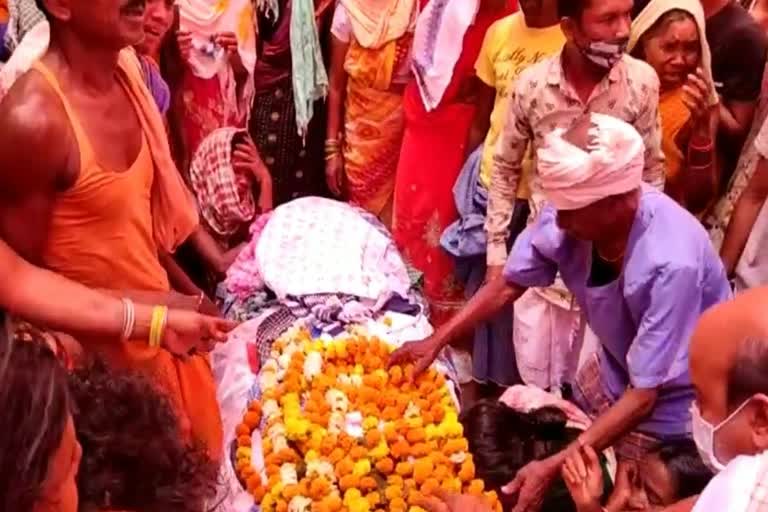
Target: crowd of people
<point>580,184</point>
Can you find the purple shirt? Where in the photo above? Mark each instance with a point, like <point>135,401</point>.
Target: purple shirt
<point>643,319</point>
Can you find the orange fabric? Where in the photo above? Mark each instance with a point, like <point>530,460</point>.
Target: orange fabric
<point>174,211</point>
<point>674,116</point>
<point>101,235</point>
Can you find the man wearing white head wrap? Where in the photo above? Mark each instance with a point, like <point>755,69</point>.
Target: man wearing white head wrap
<point>612,164</point>
<point>639,266</point>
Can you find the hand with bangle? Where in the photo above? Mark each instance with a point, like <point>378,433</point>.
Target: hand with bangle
<point>181,332</point>
<point>334,166</point>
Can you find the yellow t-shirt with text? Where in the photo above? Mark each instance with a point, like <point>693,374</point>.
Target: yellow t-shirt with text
<point>510,46</point>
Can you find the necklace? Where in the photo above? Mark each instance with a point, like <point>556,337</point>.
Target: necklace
<point>614,259</point>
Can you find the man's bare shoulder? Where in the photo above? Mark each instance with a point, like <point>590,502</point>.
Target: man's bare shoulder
<point>35,134</point>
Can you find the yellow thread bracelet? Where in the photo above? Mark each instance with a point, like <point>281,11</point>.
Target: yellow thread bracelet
<point>159,314</point>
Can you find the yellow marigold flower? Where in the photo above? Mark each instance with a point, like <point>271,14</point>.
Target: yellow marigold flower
<point>452,485</point>
<point>380,451</point>
<point>476,488</point>
<point>392,492</point>
<point>243,452</point>
<point>351,495</point>
<point>362,467</point>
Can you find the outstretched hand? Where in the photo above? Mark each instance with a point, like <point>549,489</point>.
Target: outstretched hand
<point>531,484</point>
<point>188,332</point>
<point>421,353</point>
<point>449,502</point>
<point>584,478</point>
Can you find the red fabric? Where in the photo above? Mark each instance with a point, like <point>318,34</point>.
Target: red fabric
<point>431,158</point>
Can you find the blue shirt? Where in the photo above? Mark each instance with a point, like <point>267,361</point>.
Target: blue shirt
<point>645,318</point>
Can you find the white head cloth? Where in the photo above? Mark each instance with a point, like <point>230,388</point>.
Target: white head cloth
<point>573,178</point>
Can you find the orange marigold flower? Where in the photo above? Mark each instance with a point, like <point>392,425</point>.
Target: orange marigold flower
<point>422,469</point>
<point>349,482</point>
<point>336,455</point>
<point>400,449</point>
<point>357,453</point>
<point>420,450</point>
<point>291,491</point>
<point>467,472</point>
<point>344,467</point>
<point>385,466</point>
<point>415,435</point>
<point>319,488</point>
<point>430,485</point>
<point>368,483</point>
<point>243,430</point>
<point>373,498</point>
<point>372,438</point>
<point>404,468</point>
<point>398,505</point>
<point>252,419</point>
<point>392,492</point>
<point>244,440</point>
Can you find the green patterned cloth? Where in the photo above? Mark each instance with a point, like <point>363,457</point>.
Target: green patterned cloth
<point>310,81</point>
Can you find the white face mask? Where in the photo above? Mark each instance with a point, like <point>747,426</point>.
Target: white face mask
<point>704,436</point>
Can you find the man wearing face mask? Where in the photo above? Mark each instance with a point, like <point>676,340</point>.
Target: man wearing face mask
<point>592,73</point>
<point>729,370</point>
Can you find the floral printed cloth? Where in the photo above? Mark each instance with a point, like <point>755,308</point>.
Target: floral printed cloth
<point>315,245</point>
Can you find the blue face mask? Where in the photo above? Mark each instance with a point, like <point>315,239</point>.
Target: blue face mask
<point>603,54</point>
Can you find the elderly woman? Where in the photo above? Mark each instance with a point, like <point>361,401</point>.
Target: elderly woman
<point>670,36</point>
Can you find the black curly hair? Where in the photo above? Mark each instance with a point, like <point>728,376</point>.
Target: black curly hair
<point>502,441</point>
<point>134,453</point>
<point>33,391</point>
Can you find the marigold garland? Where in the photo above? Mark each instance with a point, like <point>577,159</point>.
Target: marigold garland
<point>343,434</point>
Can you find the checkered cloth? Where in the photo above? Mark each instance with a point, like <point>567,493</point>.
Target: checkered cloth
<point>758,501</point>
<point>225,198</point>
<point>23,15</point>
<point>634,446</point>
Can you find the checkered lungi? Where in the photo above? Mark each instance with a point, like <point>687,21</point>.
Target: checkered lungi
<point>634,446</point>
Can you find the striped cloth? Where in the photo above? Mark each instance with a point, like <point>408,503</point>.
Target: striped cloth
<point>634,446</point>
<point>23,15</point>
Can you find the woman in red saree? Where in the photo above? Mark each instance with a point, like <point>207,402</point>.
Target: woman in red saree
<point>434,145</point>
